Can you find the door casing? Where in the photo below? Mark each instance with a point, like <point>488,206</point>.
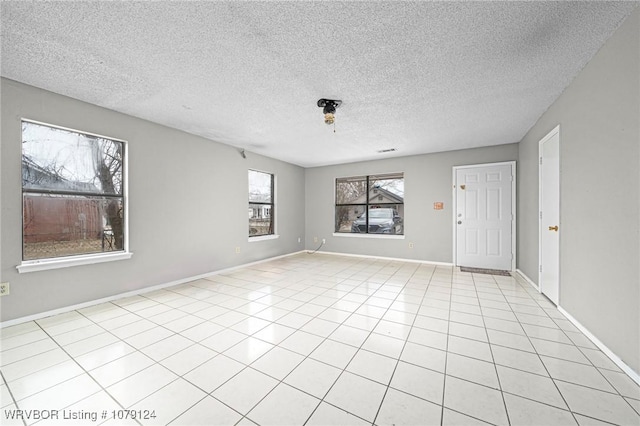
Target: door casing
<point>513,208</point>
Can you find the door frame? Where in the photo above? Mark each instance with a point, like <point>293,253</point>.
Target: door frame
<point>513,208</point>
<point>553,132</point>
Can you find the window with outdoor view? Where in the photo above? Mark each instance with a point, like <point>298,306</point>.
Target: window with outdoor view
<point>261,204</point>
<point>370,204</point>
<point>72,193</point>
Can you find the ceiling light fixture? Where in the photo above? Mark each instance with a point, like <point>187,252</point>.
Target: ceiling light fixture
<point>329,110</point>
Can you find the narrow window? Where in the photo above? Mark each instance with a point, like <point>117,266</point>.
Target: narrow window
<point>72,193</point>
<point>370,204</point>
<point>261,203</point>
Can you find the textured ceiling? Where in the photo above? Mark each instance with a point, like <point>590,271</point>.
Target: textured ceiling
<point>416,76</point>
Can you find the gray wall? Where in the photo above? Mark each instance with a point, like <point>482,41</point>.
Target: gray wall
<point>188,205</point>
<point>599,116</point>
<point>180,228</point>
<point>427,178</point>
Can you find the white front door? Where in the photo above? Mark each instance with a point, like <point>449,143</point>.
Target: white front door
<point>485,216</point>
<point>549,224</point>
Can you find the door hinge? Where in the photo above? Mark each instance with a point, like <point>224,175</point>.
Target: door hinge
<point>540,268</point>
<point>541,161</point>
<point>540,215</point>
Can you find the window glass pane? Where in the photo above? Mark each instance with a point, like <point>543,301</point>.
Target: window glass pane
<point>386,189</point>
<point>260,187</point>
<point>345,217</point>
<point>56,159</point>
<point>62,225</point>
<point>260,219</point>
<point>383,219</point>
<point>351,190</point>
<point>261,206</point>
<point>380,211</point>
<point>386,219</point>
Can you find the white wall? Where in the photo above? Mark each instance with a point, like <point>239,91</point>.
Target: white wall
<point>187,204</point>
<point>599,118</point>
<point>427,179</point>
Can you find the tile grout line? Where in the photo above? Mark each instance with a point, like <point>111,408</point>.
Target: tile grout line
<point>218,353</point>
<point>296,285</point>
<point>362,344</point>
<point>305,358</point>
<point>520,396</point>
<point>135,350</point>
<point>493,360</point>
<point>489,387</point>
<point>404,344</point>
<point>85,372</point>
<point>545,367</point>
<point>13,399</point>
<point>580,349</point>
<point>446,353</point>
<point>371,332</point>
<point>344,369</point>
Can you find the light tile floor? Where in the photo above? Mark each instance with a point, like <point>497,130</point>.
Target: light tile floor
<point>315,339</point>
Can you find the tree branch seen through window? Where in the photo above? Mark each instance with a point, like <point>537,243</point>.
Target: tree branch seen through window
<point>72,192</point>
<point>370,204</point>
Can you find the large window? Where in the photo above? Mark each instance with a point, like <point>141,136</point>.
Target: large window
<point>72,193</point>
<point>261,204</point>
<point>370,204</point>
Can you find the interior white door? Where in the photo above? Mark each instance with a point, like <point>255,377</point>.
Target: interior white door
<point>484,216</point>
<point>549,275</point>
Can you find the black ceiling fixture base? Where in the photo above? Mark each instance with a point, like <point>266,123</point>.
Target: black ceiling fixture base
<point>329,105</point>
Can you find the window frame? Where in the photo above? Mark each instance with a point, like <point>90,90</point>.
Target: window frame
<point>272,207</point>
<point>366,205</point>
<point>33,265</point>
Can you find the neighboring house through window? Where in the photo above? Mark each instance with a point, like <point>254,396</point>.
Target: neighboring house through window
<point>261,203</point>
<point>72,193</point>
<point>370,204</point>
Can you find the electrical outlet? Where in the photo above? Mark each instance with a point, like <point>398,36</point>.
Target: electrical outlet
<point>237,250</point>
<point>324,241</point>
<point>315,239</point>
<point>4,289</point>
<point>410,245</point>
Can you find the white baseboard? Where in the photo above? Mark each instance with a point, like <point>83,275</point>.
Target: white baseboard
<point>135,292</point>
<point>396,259</point>
<point>608,352</point>
<point>528,280</point>
<point>628,370</point>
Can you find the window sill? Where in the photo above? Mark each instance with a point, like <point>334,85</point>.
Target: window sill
<point>263,238</point>
<point>46,264</point>
<point>381,236</point>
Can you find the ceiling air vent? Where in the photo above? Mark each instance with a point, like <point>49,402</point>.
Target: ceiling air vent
<point>382,151</point>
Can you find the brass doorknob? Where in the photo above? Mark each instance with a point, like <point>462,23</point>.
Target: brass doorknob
<point>553,228</point>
